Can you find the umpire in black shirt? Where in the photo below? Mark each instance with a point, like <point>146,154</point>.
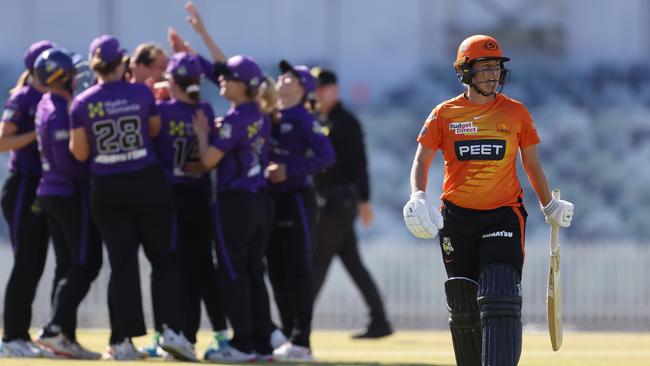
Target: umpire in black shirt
<point>343,194</point>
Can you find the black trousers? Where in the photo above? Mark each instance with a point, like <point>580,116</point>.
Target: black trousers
<point>335,236</point>
<point>200,280</point>
<point>289,258</point>
<point>130,208</point>
<point>239,229</point>
<point>29,238</point>
<point>74,232</point>
<point>473,239</point>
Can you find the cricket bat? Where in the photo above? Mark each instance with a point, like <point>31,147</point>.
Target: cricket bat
<point>553,293</point>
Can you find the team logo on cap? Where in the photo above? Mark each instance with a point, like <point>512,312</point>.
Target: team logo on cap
<point>491,45</point>
<point>50,65</point>
<point>181,71</point>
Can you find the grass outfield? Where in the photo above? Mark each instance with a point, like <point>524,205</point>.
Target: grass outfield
<point>423,349</point>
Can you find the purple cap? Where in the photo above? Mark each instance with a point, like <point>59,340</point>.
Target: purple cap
<point>244,69</point>
<point>106,47</point>
<point>183,65</point>
<point>307,80</point>
<point>34,51</point>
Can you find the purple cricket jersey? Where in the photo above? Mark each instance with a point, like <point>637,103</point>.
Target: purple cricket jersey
<point>20,110</point>
<point>177,144</point>
<point>263,140</point>
<point>62,173</point>
<point>298,142</point>
<point>116,118</point>
<point>237,136</point>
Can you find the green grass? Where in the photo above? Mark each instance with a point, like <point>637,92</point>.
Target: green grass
<point>421,349</point>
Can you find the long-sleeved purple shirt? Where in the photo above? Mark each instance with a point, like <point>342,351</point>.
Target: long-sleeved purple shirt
<point>20,109</point>
<point>62,173</point>
<point>298,142</point>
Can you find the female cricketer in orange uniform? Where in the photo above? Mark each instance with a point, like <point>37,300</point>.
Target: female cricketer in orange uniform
<point>482,224</point>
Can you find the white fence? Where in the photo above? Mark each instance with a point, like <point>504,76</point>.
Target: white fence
<point>605,286</point>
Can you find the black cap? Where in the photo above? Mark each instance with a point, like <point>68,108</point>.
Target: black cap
<point>324,76</point>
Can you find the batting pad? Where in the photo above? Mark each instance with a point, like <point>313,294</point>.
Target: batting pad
<point>464,320</point>
<point>499,299</point>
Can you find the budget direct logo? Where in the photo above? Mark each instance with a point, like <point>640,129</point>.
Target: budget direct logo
<point>480,149</point>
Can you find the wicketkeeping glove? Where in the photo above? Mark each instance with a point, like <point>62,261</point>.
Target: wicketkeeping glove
<point>422,219</point>
<point>558,212</point>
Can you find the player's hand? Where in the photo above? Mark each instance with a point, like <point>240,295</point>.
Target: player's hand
<point>277,172</point>
<point>200,124</point>
<point>194,18</point>
<point>176,43</point>
<point>366,213</point>
<point>422,220</point>
<point>558,212</point>
<point>194,169</point>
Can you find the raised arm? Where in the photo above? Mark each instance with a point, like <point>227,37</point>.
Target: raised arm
<point>195,20</point>
<point>210,156</point>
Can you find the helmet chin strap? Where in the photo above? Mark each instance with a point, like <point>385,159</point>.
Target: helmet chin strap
<point>478,90</point>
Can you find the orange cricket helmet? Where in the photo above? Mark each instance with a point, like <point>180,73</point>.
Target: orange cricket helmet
<point>478,48</point>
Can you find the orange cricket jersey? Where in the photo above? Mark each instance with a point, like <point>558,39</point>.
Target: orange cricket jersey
<point>479,143</point>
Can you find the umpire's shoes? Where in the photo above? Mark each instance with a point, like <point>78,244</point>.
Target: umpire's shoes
<point>376,329</point>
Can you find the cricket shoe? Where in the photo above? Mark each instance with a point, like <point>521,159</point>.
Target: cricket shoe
<point>277,339</point>
<point>259,357</point>
<point>177,345</point>
<point>20,348</point>
<point>63,347</point>
<point>375,330</point>
<point>153,350</point>
<point>292,352</point>
<point>123,351</point>
<point>229,354</point>
<point>220,341</point>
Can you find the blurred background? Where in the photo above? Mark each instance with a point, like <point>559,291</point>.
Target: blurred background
<point>580,66</point>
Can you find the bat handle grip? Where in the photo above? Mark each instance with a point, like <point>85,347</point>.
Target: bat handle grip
<point>555,229</point>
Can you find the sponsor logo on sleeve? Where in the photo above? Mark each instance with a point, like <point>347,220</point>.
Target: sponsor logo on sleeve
<point>480,149</point>
<point>61,135</point>
<point>8,114</point>
<point>225,131</point>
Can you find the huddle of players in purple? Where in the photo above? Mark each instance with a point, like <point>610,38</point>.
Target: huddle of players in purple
<point>114,165</point>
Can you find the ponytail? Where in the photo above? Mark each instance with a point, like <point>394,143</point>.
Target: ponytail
<point>21,82</point>
<point>190,87</point>
<point>104,68</point>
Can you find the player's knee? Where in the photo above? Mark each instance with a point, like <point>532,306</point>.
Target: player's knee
<point>499,293</point>
<point>461,302</point>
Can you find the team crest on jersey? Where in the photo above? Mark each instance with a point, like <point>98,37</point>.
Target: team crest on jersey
<point>463,128</point>
<point>446,245</point>
<point>503,127</point>
<point>225,131</point>
<point>8,114</point>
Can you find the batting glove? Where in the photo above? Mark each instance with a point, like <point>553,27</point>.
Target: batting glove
<point>558,212</point>
<point>422,220</point>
